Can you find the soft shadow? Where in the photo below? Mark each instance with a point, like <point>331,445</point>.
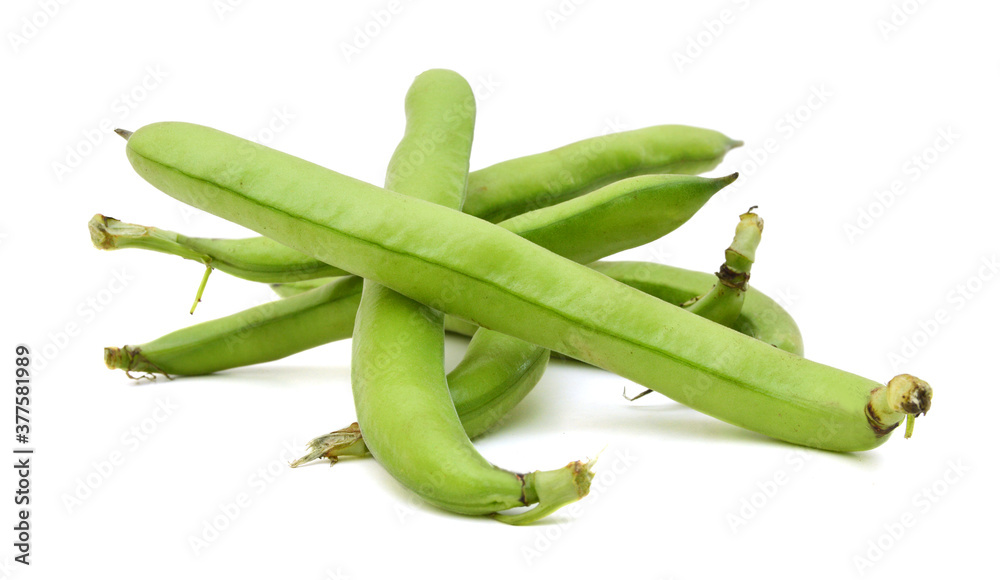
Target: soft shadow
<point>679,422</point>
<point>673,420</point>
<point>687,423</point>
<point>263,375</point>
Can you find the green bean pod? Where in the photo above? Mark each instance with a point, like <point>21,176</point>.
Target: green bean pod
<point>495,374</point>
<point>760,316</point>
<point>496,192</point>
<point>485,274</point>
<point>722,304</point>
<point>625,214</point>
<point>641,210</point>
<point>484,387</point>
<point>520,185</point>
<point>282,328</point>
<point>405,410</point>
<point>264,333</point>
<point>487,383</point>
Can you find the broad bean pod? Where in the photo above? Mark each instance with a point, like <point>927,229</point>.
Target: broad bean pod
<point>622,215</point>
<point>405,410</point>
<point>496,193</point>
<point>486,274</point>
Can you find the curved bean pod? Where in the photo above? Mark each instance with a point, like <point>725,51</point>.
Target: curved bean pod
<point>488,275</point>
<point>405,410</point>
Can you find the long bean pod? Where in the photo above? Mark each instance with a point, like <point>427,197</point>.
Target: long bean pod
<point>760,316</point>
<point>641,210</point>
<point>488,275</point>
<point>497,192</point>
<point>480,409</point>
<point>616,217</point>
<point>405,410</point>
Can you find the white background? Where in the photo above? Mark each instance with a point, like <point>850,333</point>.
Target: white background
<point>665,511</point>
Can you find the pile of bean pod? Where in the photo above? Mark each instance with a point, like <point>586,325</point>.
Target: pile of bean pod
<point>509,255</point>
